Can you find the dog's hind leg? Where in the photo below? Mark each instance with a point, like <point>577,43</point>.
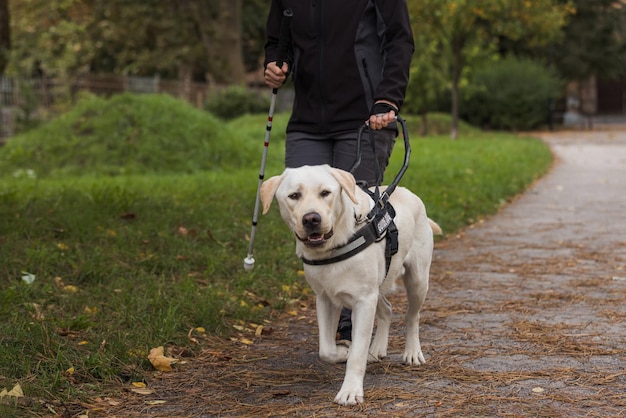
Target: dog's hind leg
<point>416,283</point>
<point>378,349</point>
<point>327,317</point>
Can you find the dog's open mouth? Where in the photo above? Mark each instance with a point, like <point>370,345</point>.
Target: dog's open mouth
<point>316,239</point>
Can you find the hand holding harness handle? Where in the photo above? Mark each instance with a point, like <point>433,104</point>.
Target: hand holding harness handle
<point>379,222</point>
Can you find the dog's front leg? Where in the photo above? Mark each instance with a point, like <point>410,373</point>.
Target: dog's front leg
<point>327,319</point>
<point>363,314</point>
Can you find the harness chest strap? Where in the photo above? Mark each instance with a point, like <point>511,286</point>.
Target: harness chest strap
<point>381,226</point>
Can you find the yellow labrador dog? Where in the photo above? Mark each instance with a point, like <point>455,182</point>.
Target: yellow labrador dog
<point>324,208</point>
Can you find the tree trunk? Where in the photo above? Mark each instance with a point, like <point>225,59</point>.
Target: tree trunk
<point>5,35</point>
<point>456,78</point>
<point>220,29</point>
<point>229,49</point>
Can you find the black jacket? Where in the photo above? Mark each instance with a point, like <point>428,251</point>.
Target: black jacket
<point>345,54</point>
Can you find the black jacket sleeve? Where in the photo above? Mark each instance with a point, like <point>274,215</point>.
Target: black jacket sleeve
<point>398,47</point>
<point>273,26</point>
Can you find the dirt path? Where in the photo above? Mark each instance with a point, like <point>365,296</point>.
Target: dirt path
<point>526,316</point>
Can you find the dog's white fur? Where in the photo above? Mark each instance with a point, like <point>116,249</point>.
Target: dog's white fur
<point>358,282</point>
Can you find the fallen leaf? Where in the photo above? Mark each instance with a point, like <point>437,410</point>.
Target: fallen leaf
<point>38,315</point>
<point>159,361</point>
<point>16,392</point>
<point>139,384</point>
<point>538,390</point>
<point>70,288</point>
<point>28,278</point>
<point>156,402</point>
<point>91,311</point>
<point>258,331</point>
<point>70,371</point>
<point>191,337</point>
<point>246,341</point>
<point>128,215</point>
<point>142,391</point>
<point>201,330</point>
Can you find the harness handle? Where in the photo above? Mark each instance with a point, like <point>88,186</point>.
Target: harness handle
<point>407,154</point>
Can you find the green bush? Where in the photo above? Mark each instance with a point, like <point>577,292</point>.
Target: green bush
<point>235,101</point>
<point>127,134</point>
<point>512,94</point>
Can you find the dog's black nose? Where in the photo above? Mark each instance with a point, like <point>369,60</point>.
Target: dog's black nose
<point>311,220</point>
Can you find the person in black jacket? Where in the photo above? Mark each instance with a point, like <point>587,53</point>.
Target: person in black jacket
<point>349,61</point>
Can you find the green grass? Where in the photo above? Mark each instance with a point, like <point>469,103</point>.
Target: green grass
<point>135,228</point>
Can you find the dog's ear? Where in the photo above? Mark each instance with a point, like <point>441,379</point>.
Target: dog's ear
<point>347,182</point>
<point>268,190</point>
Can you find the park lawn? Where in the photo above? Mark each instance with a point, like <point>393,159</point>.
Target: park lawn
<point>97,269</point>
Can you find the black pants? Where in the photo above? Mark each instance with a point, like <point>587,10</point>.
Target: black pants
<point>339,150</point>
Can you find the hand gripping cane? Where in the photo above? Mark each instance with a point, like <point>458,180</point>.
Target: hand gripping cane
<point>283,45</point>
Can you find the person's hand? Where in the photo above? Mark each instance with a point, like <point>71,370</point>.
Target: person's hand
<point>274,76</point>
<point>382,114</point>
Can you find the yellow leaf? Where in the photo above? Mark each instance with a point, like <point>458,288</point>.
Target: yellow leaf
<point>111,233</point>
<point>258,331</point>
<point>70,288</point>
<point>70,371</point>
<point>201,330</point>
<point>83,342</point>
<point>139,384</point>
<point>62,246</point>
<point>91,311</point>
<point>239,327</point>
<point>191,337</point>
<point>159,361</point>
<point>157,402</point>
<point>16,392</point>
<point>246,341</point>
<point>142,391</point>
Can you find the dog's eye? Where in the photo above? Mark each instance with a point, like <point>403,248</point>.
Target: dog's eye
<point>294,196</point>
<point>325,193</point>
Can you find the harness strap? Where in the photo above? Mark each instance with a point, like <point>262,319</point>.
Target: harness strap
<point>362,239</point>
<point>381,226</point>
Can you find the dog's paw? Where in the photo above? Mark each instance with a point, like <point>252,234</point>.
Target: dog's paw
<point>338,355</point>
<point>343,349</point>
<point>377,352</point>
<point>349,397</point>
<point>413,358</point>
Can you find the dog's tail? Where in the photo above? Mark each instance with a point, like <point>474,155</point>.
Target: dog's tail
<point>436,228</point>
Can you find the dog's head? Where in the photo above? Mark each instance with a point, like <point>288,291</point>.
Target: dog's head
<point>314,201</point>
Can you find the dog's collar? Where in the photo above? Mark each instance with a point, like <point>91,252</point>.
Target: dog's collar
<point>379,225</point>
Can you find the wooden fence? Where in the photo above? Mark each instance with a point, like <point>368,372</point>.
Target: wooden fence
<point>22,98</point>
